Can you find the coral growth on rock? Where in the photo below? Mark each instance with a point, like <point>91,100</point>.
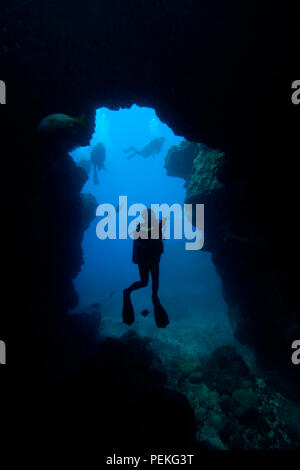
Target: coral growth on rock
<point>260,314</point>
<point>235,409</point>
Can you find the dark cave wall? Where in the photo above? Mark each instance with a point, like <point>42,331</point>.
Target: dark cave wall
<point>260,297</point>
<point>46,217</point>
<point>217,73</point>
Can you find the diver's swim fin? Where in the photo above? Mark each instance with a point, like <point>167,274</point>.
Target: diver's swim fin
<point>127,312</point>
<point>160,315</point>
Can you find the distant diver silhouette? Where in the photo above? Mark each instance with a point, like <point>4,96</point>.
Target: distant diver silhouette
<point>147,250</point>
<point>97,160</point>
<point>151,148</point>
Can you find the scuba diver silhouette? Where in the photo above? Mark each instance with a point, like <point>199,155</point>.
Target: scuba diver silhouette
<point>153,147</point>
<point>147,250</point>
<point>97,160</point>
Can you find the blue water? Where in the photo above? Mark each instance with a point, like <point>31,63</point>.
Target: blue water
<point>188,280</point>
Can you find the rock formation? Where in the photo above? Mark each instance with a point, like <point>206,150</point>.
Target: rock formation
<point>218,73</point>
<point>241,255</point>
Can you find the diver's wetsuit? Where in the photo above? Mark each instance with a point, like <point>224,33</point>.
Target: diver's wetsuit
<point>146,254</point>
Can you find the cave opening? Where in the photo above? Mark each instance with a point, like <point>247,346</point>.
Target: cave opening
<point>189,288</point>
<point>71,58</point>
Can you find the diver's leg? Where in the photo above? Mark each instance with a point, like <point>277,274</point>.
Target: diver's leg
<point>160,315</point>
<point>133,151</point>
<point>130,149</point>
<point>132,155</point>
<point>155,279</point>
<point>144,275</point>
<point>128,312</point>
